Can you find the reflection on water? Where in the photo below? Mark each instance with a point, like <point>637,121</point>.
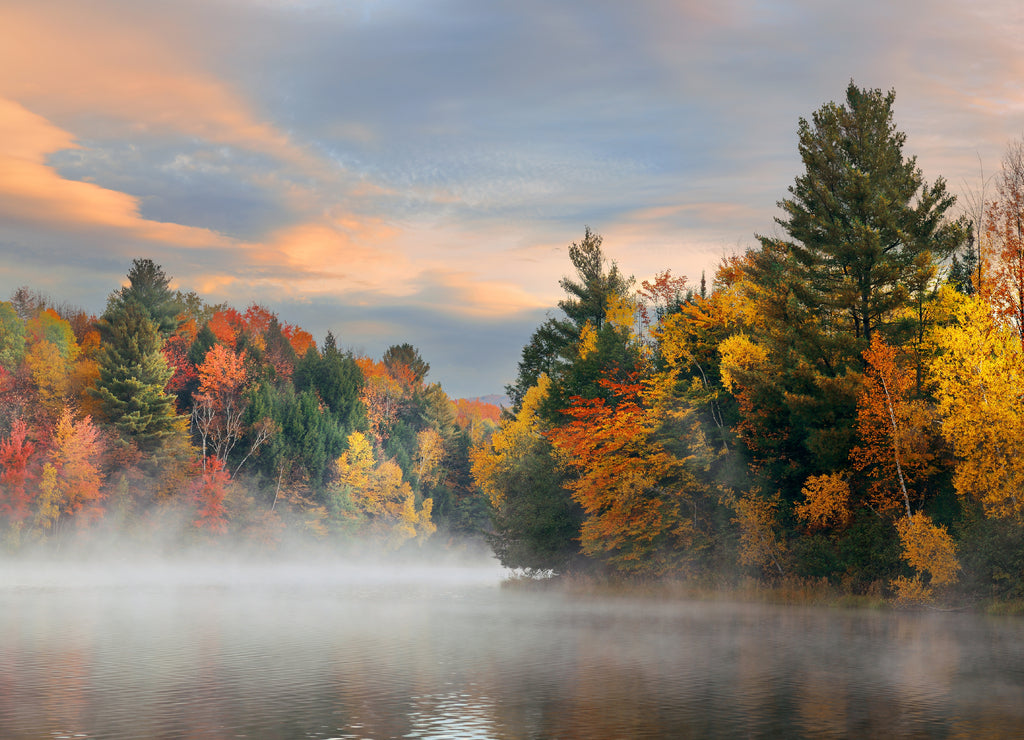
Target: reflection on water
<point>302,652</point>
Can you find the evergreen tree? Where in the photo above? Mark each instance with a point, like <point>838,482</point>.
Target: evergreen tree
<point>866,234</point>
<point>149,287</point>
<point>962,272</point>
<point>588,295</point>
<point>337,379</point>
<point>536,522</point>
<point>861,220</point>
<point>540,356</point>
<point>553,349</point>
<point>133,375</point>
<point>405,354</point>
<point>204,341</point>
<point>307,441</point>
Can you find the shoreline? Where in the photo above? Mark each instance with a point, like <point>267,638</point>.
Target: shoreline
<point>787,592</point>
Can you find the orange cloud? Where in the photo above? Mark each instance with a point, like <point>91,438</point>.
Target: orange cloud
<point>361,258</point>
<point>31,192</point>
<point>347,254</point>
<point>468,295</point>
<point>66,59</point>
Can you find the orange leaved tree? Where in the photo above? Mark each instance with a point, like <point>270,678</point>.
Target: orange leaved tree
<point>15,452</point>
<point>896,449</point>
<point>208,491</point>
<point>1004,219</point>
<point>76,474</point>
<point>219,405</point>
<point>638,497</point>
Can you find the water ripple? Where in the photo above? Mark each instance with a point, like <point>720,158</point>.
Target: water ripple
<point>405,658</point>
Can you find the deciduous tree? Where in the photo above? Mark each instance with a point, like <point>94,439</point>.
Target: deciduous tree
<point>220,403</point>
<point>895,447</point>
<point>12,337</point>
<point>640,498</point>
<point>978,373</point>
<point>930,550</point>
<point>1004,284</point>
<point>16,451</point>
<point>826,502</point>
<point>208,493</point>
<point>76,458</point>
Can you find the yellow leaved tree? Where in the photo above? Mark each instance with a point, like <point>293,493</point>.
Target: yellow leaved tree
<point>978,377</point>
<point>384,503</point>
<point>930,550</point>
<point>495,460</point>
<point>826,501</point>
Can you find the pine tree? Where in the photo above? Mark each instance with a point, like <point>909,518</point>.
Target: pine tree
<point>149,287</point>
<point>337,379</point>
<point>553,350</point>
<point>861,220</point>
<point>133,377</point>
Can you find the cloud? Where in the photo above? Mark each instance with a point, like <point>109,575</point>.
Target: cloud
<point>124,73</point>
<point>32,193</point>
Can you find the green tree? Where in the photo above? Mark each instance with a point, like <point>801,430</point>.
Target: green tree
<point>540,356</point>
<point>306,441</point>
<point>337,379</point>
<point>202,344</point>
<point>536,524</point>
<point>554,349</point>
<point>865,236</point>
<point>405,354</point>
<point>963,268</point>
<point>595,285</point>
<point>195,308</point>
<point>12,337</point>
<point>862,222</point>
<point>149,287</point>
<point>133,374</point>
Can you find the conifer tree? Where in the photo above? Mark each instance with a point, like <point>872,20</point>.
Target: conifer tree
<point>862,222</point>
<point>133,377</point>
<point>149,287</point>
<point>553,348</point>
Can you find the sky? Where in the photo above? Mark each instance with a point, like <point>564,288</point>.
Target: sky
<point>415,170</point>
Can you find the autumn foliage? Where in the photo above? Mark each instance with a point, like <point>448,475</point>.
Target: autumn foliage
<point>634,492</point>
<point>896,449</point>
<point>832,409</point>
<point>16,451</point>
<point>167,409</point>
<point>208,492</point>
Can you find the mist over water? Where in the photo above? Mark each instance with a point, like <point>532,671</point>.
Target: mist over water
<point>136,648</point>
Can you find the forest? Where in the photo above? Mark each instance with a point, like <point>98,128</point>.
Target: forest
<point>842,404</point>
<point>171,420</point>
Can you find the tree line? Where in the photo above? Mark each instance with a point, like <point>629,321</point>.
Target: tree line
<point>169,417</point>
<point>845,403</point>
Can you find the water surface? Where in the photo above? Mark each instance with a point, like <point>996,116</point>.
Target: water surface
<point>334,651</point>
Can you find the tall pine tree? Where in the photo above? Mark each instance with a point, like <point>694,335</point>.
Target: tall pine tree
<point>133,374</point>
<point>862,222</point>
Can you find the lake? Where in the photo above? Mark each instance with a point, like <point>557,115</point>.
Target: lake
<point>343,651</point>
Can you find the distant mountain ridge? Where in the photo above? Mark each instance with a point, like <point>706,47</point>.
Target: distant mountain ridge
<point>498,399</point>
